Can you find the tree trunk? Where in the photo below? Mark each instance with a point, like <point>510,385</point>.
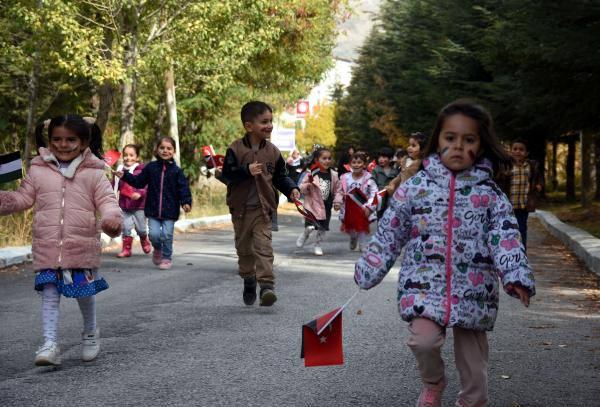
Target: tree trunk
<point>571,168</point>
<point>105,94</point>
<point>128,95</point>
<point>128,100</point>
<point>33,86</point>
<point>172,110</point>
<point>160,118</point>
<point>106,90</point>
<point>597,161</point>
<point>586,168</point>
<point>554,163</point>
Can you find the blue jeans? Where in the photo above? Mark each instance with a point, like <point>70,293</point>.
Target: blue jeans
<point>522,215</point>
<point>161,235</point>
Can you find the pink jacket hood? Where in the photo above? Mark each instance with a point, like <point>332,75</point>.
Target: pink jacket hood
<point>66,233</point>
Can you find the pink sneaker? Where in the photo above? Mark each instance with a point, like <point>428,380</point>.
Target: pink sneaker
<point>165,264</point>
<point>156,256</point>
<point>430,397</point>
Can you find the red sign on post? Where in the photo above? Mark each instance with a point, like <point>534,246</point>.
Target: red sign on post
<point>302,108</point>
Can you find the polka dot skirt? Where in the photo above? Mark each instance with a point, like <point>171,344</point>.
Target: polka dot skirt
<point>86,282</point>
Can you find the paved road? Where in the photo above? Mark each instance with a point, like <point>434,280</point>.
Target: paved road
<point>184,338</point>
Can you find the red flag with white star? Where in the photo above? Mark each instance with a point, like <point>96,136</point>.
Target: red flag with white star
<point>322,340</point>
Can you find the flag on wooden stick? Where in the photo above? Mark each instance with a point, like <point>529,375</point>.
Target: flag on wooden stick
<point>11,167</point>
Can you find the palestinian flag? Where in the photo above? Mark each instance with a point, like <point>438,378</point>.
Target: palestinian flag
<point>11,167</point>
<point>379,202</point>
<point>358,197</point>
<point>315,169</point>
<point>308,215</point>
<point>322,340</point>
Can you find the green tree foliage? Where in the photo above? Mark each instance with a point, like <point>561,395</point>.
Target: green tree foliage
<point>533,62</point>
<point>319,129</point>
<point>110,57</point>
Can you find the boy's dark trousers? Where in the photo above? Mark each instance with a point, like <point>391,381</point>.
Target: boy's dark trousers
<point>254,247</point>
<point>522,215</point>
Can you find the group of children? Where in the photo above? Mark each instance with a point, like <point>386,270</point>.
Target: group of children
<point>360,196</point>
<point>68,187</point>
<point>460,234</point>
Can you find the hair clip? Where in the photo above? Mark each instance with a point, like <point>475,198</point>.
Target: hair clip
<point>89,120</point>
<point>46,124</point>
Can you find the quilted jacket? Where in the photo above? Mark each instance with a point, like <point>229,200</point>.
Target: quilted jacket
<point>461,238</point>
<point>66,233</point>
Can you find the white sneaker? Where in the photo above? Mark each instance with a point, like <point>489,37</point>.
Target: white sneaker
<point>48,354</point>
<point>318,251</point>
<point>304,236</point>
<point>90,345</point>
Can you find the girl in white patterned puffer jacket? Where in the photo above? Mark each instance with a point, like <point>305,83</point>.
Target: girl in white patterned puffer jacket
<point>461,238</point>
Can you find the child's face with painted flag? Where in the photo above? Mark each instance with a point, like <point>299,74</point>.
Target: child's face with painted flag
<point>459,143</point>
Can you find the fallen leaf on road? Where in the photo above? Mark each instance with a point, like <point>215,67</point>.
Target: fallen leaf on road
<point>547,343</point>
<point>359,312</point>
<point>505,376</point>
<point>562,346</point>
<point>190,264</point>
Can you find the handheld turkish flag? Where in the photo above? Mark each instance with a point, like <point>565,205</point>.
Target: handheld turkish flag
<point>347,167</point>
<point>111,157</point>
<point>322,340</point>
<point>219,160</point>
<point>126,190</point>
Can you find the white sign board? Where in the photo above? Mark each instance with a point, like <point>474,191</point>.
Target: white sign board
<point>284,139</point>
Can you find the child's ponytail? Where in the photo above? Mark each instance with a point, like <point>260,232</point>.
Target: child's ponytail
<point>95,137</point>
<point>40,140</point>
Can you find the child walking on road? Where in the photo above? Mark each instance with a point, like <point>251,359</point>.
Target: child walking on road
<point>167,191</point>
<point>319,192</point>
<point>131,201</point>
<point>67,185</point>
<point>411,163</point>
<point>353,201</point>
<point>461,237</point>
<point>253,165</point>
<point>524,185</point>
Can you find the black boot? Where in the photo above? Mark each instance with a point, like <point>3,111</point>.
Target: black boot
<point>249,290</point>
<point>267,296</point>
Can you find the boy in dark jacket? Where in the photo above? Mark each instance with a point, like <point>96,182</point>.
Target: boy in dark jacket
<point>384,172</point>
<point>253,166</point>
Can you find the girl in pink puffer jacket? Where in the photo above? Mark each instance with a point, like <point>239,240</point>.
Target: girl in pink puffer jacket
<point>67,185</point>
<point>319,192</point>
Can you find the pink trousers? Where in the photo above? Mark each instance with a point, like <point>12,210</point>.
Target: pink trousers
<point>470,354</point>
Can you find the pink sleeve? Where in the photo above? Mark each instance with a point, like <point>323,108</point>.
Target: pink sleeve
<point>105,200</point>
<point>19,200</point>
<point>304,186</point>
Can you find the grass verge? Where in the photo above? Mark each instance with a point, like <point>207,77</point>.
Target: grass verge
<point>573,213</point>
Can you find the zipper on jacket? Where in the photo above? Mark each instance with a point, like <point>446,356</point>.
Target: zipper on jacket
<point>162,178</point>
<point>62,222</point>
<point>449,249</point>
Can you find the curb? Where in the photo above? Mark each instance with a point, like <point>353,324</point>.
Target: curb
<point>583,244</point>
<point>9,256</point>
